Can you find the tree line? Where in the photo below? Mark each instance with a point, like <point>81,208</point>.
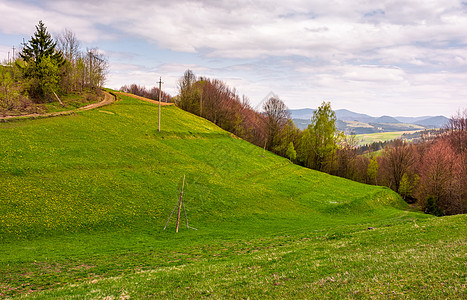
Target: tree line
<point>214,100</point>
<point>431,172</point>
<point>47,68</point>
<point>142,91</point>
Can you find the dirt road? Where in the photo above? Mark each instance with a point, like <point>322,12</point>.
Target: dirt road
<point>108,99</point>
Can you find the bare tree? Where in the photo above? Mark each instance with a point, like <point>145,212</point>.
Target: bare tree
<point>83,70</point>
<point>142,91</point>
<point>97,67</point>
<point>277,114</point>
<point>68,43</point>
<point>186,82</point>
<point>457,131</point>
<point>397,160</point>
<point>443,177</point>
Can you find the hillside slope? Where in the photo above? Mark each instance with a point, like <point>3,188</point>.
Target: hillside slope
<point>110,168</point>
<point>84,199</point>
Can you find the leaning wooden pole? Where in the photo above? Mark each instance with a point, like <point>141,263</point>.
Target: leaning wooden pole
<point>180,204</point>
<point>170,217</point>
<point>58,98</point>
<point>186,219</point>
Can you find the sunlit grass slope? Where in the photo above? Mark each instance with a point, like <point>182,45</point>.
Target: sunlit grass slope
<point>368,138</point>
<point>85,197</point>
<point>110,168</point>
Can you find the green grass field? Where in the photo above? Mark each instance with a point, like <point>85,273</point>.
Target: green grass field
<point>369,138</point>
<point>84,199</point>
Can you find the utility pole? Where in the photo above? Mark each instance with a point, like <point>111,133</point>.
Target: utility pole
<point>160,99</point>
<point>13,53</point>
<point>90,67</point>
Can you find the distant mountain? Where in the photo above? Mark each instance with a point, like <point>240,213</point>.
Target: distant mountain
<point>411,120</point>
<point>303,113</point>
<point>386,120</point>
<point>426,121</point>
<point>347,115</point>
<point>433,122</point>
<point>341,114</point>
<point>349,121</point>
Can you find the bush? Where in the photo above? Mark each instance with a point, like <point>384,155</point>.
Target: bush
<point>432,208</point>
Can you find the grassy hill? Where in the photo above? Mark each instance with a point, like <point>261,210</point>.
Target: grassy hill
<point>84,199</point>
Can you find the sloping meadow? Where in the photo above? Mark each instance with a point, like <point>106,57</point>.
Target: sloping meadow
<point>85,197</point>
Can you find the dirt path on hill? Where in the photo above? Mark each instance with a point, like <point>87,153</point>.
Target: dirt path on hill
<point>108,99</point>
<point>142,98</point>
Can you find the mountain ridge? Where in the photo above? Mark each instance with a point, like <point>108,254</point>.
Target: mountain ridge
<point>348,119</point>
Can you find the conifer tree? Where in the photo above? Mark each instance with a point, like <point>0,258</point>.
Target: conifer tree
<point>42,63</point>
<point>372,171</point>
<point>41,45</point>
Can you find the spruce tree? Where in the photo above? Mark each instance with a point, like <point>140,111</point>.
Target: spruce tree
<point>41,45</point>
<point>43,62</point>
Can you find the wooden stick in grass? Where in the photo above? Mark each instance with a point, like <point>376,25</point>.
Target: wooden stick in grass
<point>180,203</point>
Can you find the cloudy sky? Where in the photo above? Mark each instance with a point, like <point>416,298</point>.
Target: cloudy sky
<point>382,57</point>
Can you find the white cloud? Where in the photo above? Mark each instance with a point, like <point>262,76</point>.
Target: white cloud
<point>361,53</point>
<point>21,17</point>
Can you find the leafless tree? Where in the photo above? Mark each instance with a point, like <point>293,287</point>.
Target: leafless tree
<point>442,174</point>
<point>457,131</point>
<point>97,67</point>
<point>186,82</point>
<point>68,43</point>
<point>143,92</point>
<point>397,160</point>
<point>277,114</point>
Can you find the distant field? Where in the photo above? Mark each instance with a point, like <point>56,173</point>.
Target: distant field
<point>84,199</point>
<point>369,138</point>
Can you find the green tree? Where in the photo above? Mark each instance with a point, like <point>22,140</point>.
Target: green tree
<point>431,207</point>
<point>48,74</point>
<point>289,134</point>
<point>291,153</point>
<point>41,45</point>
<point>42,63</point>
<point>372,170</point>
<point>6,83</point>
<point>407,186</point>
<point>320,139</point>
